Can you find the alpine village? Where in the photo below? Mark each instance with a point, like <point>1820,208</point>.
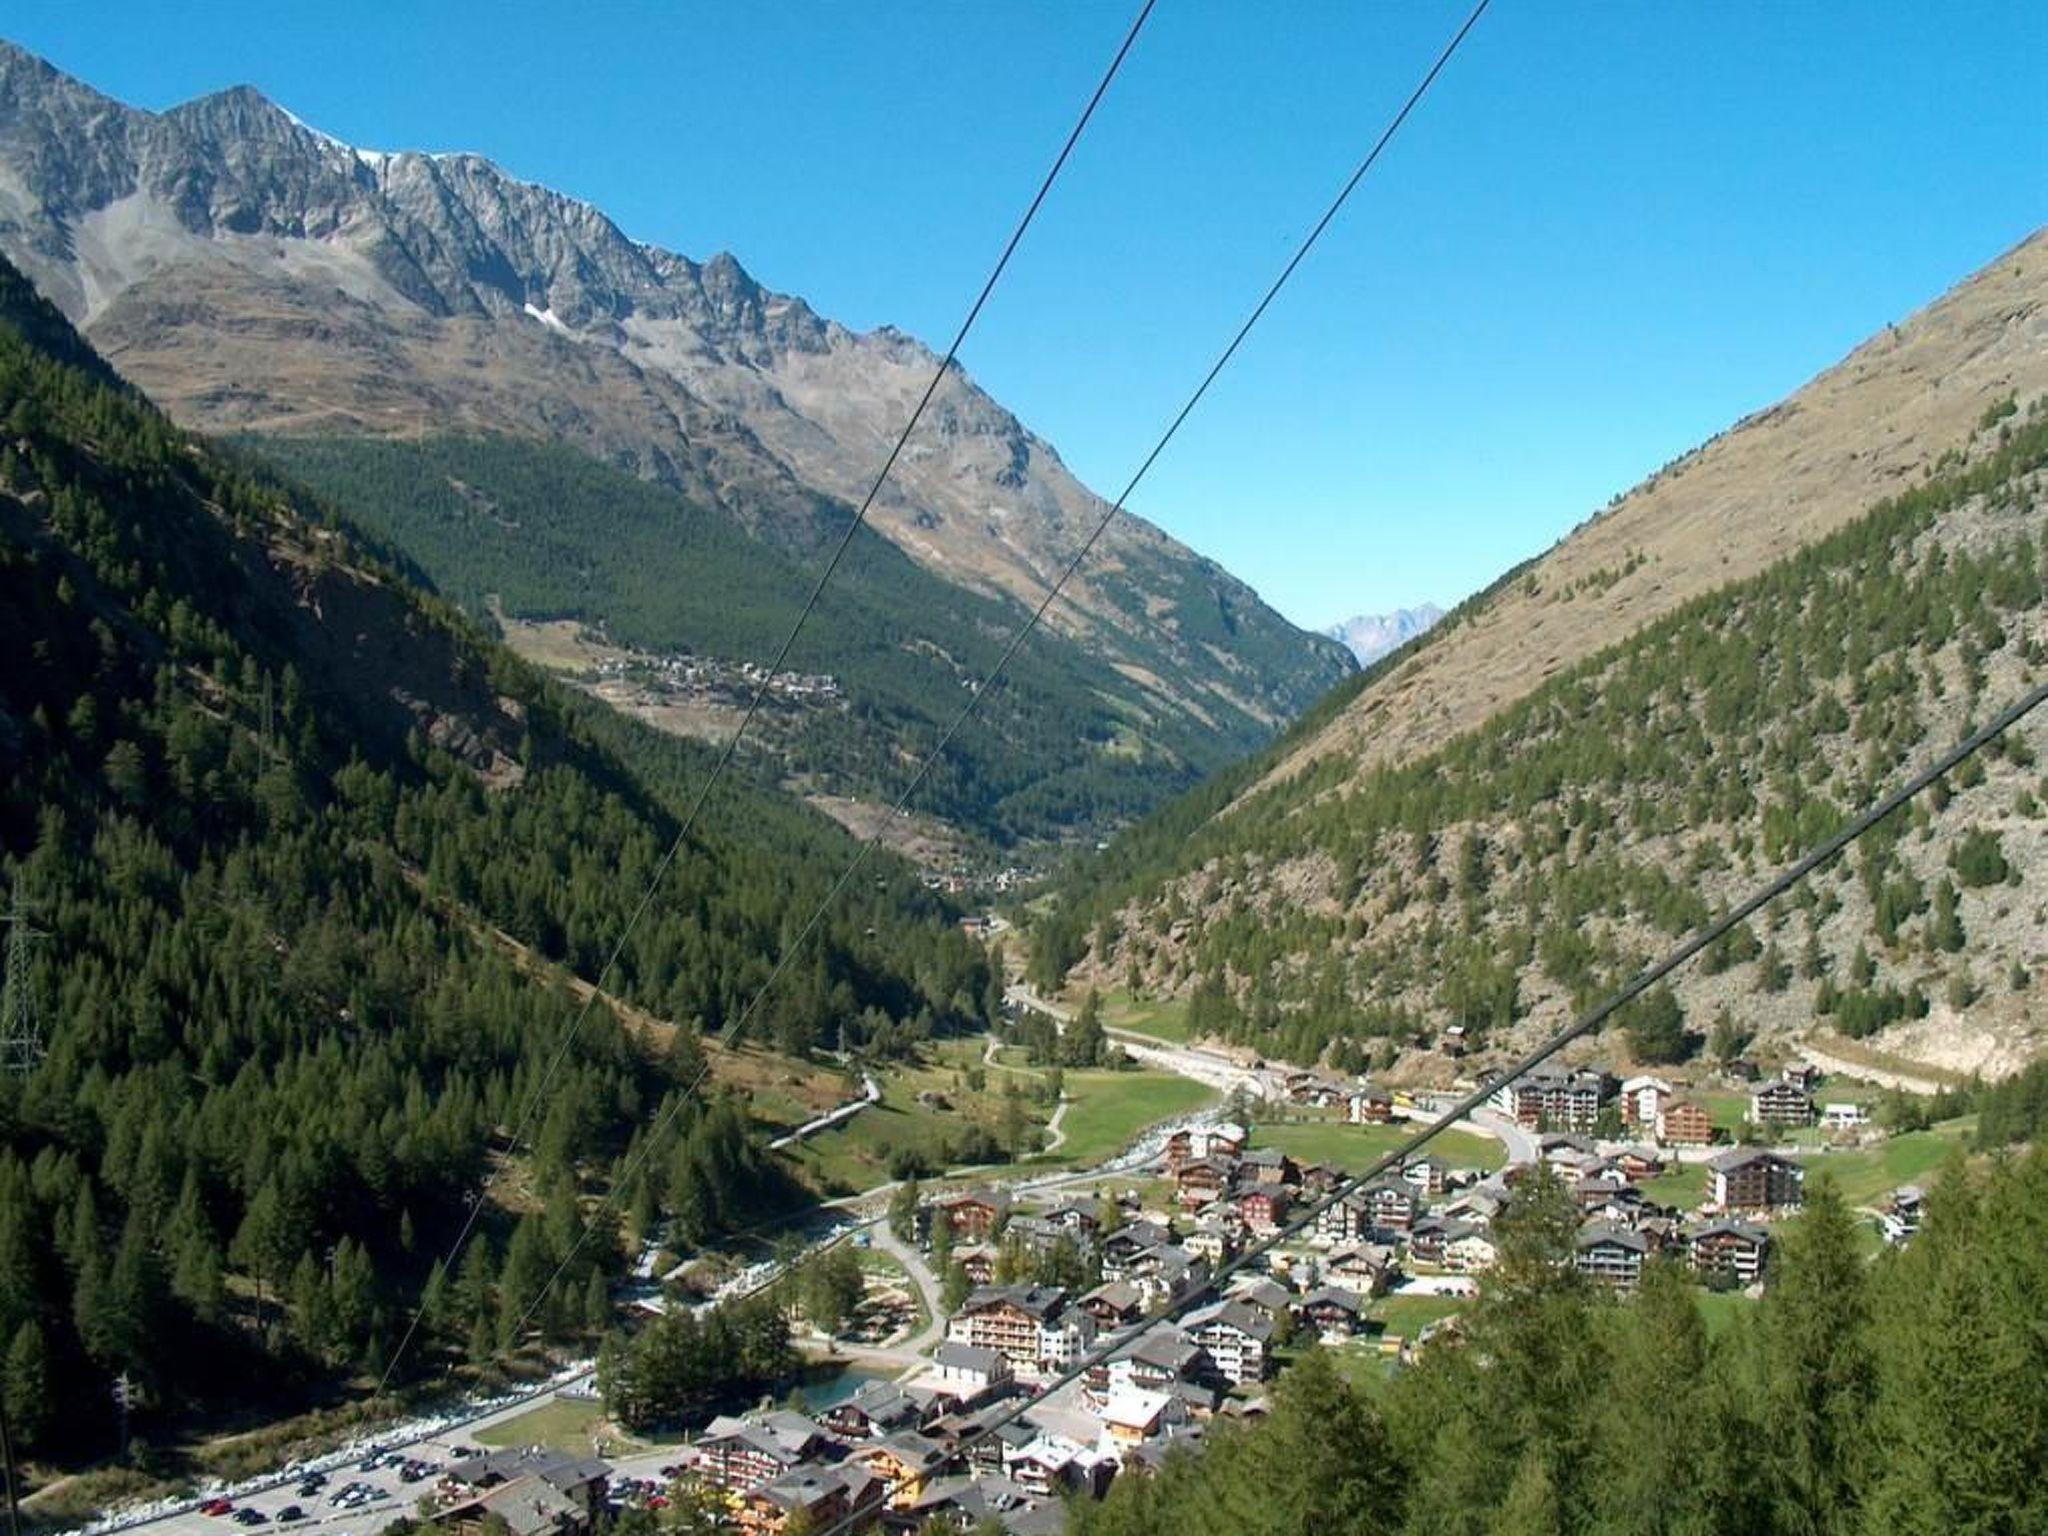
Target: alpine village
<point>492,1045</point>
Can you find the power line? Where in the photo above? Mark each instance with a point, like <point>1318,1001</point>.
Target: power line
<point>774,670</point>
<point>1023,632</point>
<point>1641,982</point>
<point>21,1035</point>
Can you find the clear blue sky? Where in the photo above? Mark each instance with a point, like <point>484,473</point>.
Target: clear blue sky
<point>1612,230</point>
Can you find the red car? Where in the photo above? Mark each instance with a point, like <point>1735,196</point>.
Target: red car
<point>216,1506</point>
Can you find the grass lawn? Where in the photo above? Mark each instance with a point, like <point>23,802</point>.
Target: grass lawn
<point>1364,1364</point>
<point>1867,1173</point>
<point>1110,1108</point>
<point>1165,1018</point>
<point>1684,1186</point>
<point>562,1425</point>
<point>1409,1315</point>
<point>1728,1109</point>
<point>857,1155</point>
<point>1355,1147</point>
<point>957,1053</point>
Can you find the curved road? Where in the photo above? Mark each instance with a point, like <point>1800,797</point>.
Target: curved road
<point>1055,1128</point>
<point>927,1284</point>
<point>1517,1138</point>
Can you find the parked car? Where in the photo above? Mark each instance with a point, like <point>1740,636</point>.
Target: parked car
<point>248,1516</point>
<point>290,1513</point>
<point>216,1506</point>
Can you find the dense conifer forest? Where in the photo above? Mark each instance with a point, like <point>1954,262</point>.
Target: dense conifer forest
<point>1903,1396</point>
<point>552,534</point>
<point>264,803</point>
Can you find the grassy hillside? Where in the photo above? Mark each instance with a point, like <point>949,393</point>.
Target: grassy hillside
<point>1505,879</point>
<point>302,850</point>
<point>1068,745</point>
<point>1738,504</point>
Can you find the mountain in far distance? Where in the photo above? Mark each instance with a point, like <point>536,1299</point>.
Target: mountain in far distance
<point>1371,635</point>
<point>255,276</point>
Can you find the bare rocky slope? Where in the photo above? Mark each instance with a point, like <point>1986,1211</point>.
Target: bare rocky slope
<point>1771,484</point>
<point>1506,816</point>
<point>252,274</point>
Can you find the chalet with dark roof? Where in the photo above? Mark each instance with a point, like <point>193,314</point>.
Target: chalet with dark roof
<point>1748,1179</point>
<point>1781,1104</point>
<point>1727,1251</point>
<point>1613,1256</point>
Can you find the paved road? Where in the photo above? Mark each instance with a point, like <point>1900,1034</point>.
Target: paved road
<point>1510,1133</point>
<point>1016,992</point>
<point>1883,1077</point>
<point>1056,1128</point>
<point>927,1284</point>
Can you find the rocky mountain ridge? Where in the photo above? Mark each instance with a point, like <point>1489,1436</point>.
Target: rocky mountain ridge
<point>253,274</point>
<point>1369,636</point>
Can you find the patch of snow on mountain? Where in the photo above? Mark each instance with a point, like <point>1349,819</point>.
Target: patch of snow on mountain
<point>550,319</point>
<point>1370,636</point>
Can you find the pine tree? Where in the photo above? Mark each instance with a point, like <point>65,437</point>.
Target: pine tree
<point>953,1287</point>
<point>903,1203</point>
<point>1085,1044</point>
<point>528,1265</point>
<point>261,1242</point>
<point>1646,1475</point>
<point>597,1303</point>
<point>1814,1368</point>
<point>1343,1476</point>
<point>475,1284</point>
<point>1013,1121</point>
<point>353,1290</point>
<point>312,1307</point>
<point>1656,1027</point>
<point>435,1302</point>
<point>1945,925</point>
<point>26,1384</point>
<point>1531,1506</point>
<point>1960,1426</point>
